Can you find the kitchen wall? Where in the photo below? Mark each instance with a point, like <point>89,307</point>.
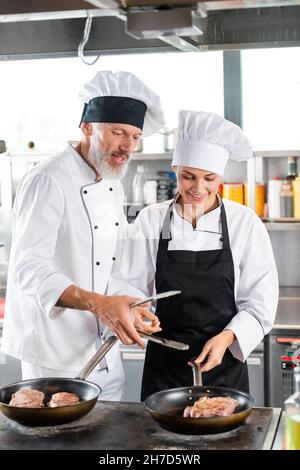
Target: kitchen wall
<point>46,108</point>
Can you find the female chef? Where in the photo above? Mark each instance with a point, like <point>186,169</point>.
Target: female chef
<point>217,252</point>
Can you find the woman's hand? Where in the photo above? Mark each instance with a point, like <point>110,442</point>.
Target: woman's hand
<point>215,349</point>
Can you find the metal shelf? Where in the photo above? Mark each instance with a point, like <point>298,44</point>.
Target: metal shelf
<point>35,156</point>
<point>257,153</point>
<point>140,156</point>
<point>282,226</point>
<point>277,153</point>
<point>28,157</point>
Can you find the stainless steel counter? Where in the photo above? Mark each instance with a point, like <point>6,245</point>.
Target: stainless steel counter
<point>272,431</point>
<point>288,314</point>
<point>288,311</point>
<point>278,443</point>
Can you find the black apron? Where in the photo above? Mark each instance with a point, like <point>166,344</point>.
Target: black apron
<point>203,309</point>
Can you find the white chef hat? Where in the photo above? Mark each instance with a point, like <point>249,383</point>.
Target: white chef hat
<point>206,140</point>
<point>121,97</point>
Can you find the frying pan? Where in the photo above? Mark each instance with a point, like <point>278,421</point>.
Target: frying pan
<point>88,393</point>
<point>167,406</point>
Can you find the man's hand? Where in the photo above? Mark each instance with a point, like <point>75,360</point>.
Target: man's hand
<point>113,311</point>
<point>215,349</point>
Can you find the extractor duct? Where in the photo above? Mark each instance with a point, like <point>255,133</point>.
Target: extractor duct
<point>155,24</point>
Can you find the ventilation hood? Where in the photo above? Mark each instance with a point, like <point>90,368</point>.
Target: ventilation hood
<point>54,28</point>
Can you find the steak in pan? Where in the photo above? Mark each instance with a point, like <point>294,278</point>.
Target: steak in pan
<point>27,398</point>
<point>207,407</point>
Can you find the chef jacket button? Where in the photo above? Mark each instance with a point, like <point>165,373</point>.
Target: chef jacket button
<point>221,239</point>
<point>96,226</point>
<point>97,263</point>
<point>117,223</point>
<point>114,258</point>
<point>110,189</point>
<point>85,191</point>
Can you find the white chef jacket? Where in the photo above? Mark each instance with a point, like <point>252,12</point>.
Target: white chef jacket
<point>64,231</point>
<point>256,279</point>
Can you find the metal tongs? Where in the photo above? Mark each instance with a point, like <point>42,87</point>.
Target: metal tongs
<point>169,293</point>
<point>156,339</point>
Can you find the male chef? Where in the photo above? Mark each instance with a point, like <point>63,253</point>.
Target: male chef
<point>67,218</point>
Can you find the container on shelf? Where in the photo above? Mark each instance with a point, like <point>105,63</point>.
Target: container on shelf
<point>259,198</point>
<point>297,197</point>
<point>150,192</point>
<point>286,199</point>
<point>2,306</point>
<point>162,189</point>
<point>274,188</point>
<point>292,168</point>
<point>138,185</point>
<point>2,146</point>
<point>169,138</point>
<point>234,192</point>
<point>139,146</point>
<point>172,185</point>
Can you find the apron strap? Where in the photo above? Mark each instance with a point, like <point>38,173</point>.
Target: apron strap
<point>166,236</point>
<point>225,234</point>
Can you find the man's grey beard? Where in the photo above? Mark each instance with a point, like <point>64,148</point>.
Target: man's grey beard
<point>100,161</point>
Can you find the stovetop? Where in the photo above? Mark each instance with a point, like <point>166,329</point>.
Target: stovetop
<point>128,426</point>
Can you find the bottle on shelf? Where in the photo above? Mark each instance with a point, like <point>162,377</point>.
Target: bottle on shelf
<point>150,192</point>
<point>166,185</point>
<point>172,185</point>
<point>296,186</point>
<point>292,168</point>
<point>292,412</point>
<point>286,199</point>
<point>138,185</point>
<point>234,192</point>
<point>274,188</point>
<point>162,188</point>
<point>259,198</point>
<point>139,146</point>
<point>2,146</point>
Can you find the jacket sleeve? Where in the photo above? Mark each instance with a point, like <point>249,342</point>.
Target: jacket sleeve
<point>257,292</point>
<point>37,216</point>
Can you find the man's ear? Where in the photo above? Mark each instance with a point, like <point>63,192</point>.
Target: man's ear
<point>86,128</point>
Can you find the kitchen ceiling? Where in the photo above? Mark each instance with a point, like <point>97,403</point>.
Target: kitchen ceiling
<point>35,29</point>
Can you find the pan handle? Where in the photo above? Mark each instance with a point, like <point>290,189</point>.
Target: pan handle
<point>105,347</point>
<point>197,375</point>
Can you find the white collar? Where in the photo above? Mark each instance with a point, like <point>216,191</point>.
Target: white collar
<point>85,169</point>
<point>205,220</point>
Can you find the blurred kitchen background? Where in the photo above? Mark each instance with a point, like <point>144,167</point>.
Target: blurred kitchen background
<point>258,89</point>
